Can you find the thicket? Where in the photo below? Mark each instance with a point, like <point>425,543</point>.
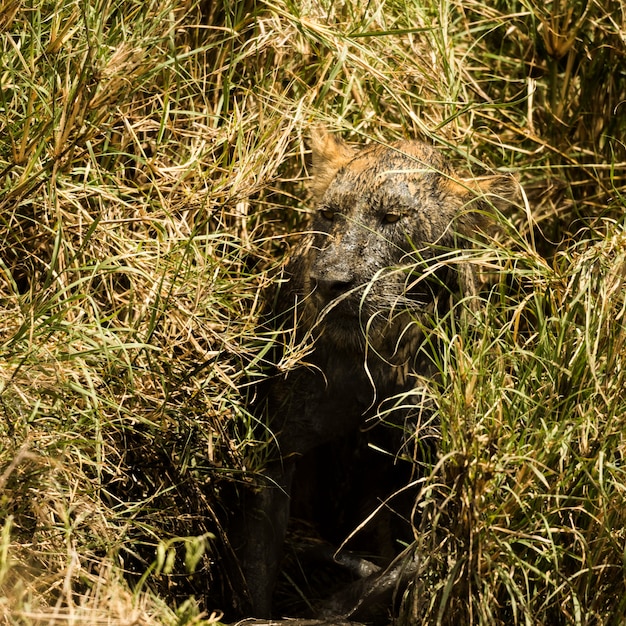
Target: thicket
<point>153,168</point>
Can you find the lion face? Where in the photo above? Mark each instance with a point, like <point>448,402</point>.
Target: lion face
<point>385,218</point>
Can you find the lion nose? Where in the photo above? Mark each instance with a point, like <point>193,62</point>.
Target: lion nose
<point>332,286</point>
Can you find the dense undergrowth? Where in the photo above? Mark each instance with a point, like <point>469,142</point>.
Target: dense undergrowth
<point>153,165</point>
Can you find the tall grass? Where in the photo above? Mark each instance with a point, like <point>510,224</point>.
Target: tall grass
<point>152,166</point>
<point>523,513</point>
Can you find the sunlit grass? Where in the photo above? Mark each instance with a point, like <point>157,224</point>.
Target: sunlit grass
<point>521,511</point>
<point>152,163</point>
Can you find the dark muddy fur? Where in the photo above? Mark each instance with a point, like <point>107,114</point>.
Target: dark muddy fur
<point>361,287</point>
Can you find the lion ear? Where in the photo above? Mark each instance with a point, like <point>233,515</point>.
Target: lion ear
<point>497,191</point>
<point>480,196</point>
<point>330,154</point>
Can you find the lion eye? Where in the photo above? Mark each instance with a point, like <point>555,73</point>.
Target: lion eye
<point>327,214</point>
<point>391,218</point>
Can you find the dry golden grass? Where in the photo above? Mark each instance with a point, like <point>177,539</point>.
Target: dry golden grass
<point>153,162</point>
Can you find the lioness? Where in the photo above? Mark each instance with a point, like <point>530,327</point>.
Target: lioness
<point>359,287</point>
